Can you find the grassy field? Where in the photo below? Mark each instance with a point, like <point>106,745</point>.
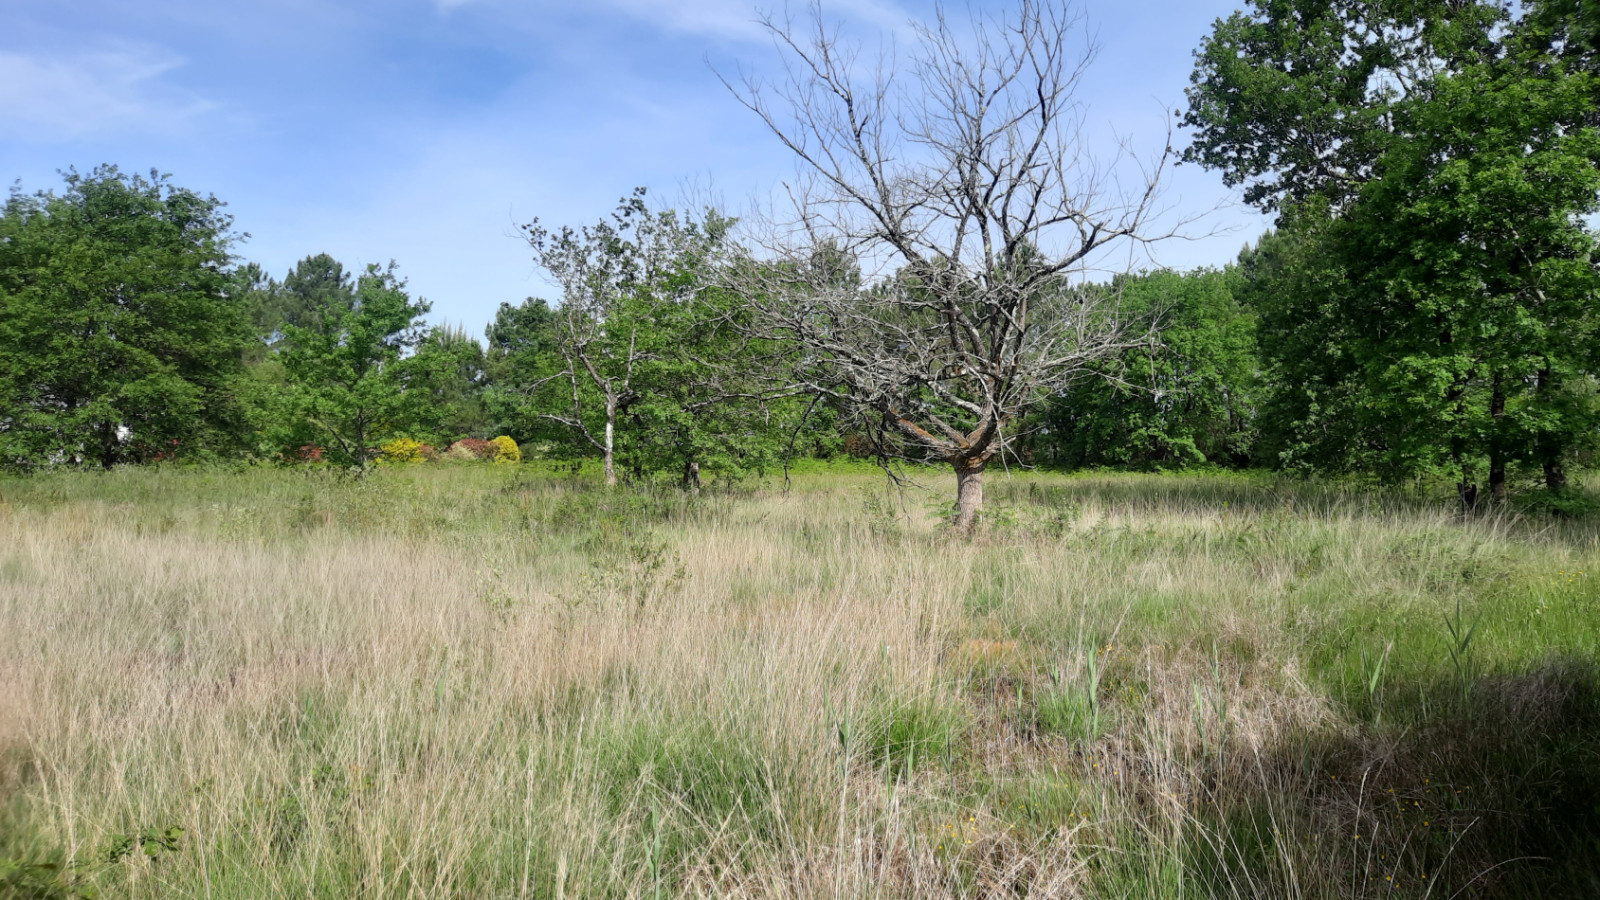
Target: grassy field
<point>490,682</point>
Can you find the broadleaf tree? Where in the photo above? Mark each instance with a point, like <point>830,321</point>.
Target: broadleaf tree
<point>350,371</point>
<point>640,361</point>
<point>1186,399</point>
<point>121,329</point>
<point>1435,165</point>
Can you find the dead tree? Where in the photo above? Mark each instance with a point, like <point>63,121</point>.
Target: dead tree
<point>960,182</point>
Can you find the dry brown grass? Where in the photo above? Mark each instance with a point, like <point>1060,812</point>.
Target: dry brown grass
<point>766,696</point>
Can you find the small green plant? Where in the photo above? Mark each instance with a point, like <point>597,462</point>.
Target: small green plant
<point>906,736</point>
<point>630,560</point>
<point>1460,646</point>
<point>1372,678</point>
<point>1217,702</point>
<point>1069,709</point>
<point>882,518</point>
<point>150,842</point>
<point>41,881</point>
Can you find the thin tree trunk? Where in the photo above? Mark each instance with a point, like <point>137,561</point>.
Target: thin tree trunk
<point>969,493</point>
<point>108,445</point>
<point>691,476</point>
<point>1547,447</point>
<point>1497,455</point>
<point>610,448</point>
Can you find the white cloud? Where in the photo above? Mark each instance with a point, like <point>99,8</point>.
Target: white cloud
<point>104,93</point>
<point>737,20</point>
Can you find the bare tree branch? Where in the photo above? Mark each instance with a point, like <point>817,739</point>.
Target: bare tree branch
<point>947,216</point>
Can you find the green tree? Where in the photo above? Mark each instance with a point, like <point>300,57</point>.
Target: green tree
<point>316,290</point>
<point>1435,163</point>
<point>702,404</point>
<point>1185,399</point>
<point>640,360</point>
<point>521,362</point>
<point>450,366</point>
<point>351,373</point>
<point>120,329</point>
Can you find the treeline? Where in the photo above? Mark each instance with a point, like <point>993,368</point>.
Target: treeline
<point>129,333</point>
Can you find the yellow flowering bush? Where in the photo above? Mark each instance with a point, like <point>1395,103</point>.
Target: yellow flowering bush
<point>506,450</point>
<point>403,450</point>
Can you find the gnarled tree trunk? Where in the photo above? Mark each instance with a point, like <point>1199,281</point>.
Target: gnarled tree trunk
<point>969,492</point>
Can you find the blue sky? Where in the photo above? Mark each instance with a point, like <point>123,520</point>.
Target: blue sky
<point>425,131</point>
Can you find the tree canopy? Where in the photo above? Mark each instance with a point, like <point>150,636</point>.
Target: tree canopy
<point>120,331</point>
<point>1431,305</point>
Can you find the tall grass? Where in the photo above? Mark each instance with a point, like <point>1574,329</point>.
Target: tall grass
<point>475,682</point>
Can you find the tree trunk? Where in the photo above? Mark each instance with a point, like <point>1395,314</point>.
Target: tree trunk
<point>1555,475</point>
<point>691,476</point>
<point>969,493</point>
<point>108,445</point>
<point>1497,455</point>
<point>1548,447</point>
<point>1497,479</point>
<point>610,448</point>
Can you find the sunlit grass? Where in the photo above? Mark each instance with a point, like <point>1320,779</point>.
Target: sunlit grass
<point>481,682</point>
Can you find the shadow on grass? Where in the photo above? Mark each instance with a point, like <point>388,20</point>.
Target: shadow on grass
<point>1575,523</point>
<point>1490,792</point>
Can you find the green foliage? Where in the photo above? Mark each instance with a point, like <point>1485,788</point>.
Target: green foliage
<point>120,335</point>
<point>449,368</point>
<point>348,375</point>
<point>643,362</point>
<point>1429,307</point>
<point>1071,708</point>
<point>1186,400</point>
<point>522,357</point>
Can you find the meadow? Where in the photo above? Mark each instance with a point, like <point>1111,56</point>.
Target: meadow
<point>497,681</point>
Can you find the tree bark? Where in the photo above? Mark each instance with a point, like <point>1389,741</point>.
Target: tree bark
<point>969,493</point>
<point>691,476</point>
<point>610,447</point>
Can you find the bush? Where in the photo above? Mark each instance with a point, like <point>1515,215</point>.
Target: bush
<point>405,450</point>
<point>471,449</point>
<point>506,450</point>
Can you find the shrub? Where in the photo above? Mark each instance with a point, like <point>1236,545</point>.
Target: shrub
<point>404,450</point>
<point>472,448</point>
<point>307,453</point>
<point>506,450</point>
